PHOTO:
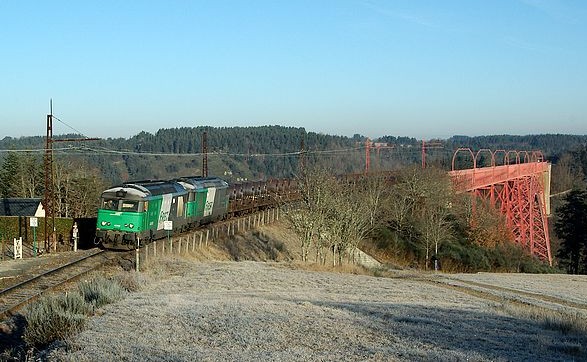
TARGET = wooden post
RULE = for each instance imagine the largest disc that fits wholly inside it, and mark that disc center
(207, 235)
(155, 248)
(137, 257)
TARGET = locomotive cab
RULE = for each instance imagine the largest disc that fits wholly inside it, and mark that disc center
(121, 217)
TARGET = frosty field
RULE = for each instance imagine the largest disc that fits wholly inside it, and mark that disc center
(249, 311)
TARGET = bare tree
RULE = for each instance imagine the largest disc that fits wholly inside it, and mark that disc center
(566, 174)
(302, 223)
(335, 214)
(30, 176)
(308, 217)
(419, 207)
(77, 189)
(433, 210)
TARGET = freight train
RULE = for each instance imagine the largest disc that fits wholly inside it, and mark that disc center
(139, 210)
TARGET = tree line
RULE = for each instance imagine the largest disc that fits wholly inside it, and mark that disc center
(413, 219)
(77, 185)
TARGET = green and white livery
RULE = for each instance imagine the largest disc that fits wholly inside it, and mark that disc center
(137, 210)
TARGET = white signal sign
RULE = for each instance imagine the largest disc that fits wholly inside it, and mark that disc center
(168, 225)
(34, 222)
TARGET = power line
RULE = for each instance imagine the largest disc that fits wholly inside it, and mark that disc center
(108, 151)
(77, 132)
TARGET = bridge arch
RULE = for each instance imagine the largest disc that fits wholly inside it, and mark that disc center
(464, 149)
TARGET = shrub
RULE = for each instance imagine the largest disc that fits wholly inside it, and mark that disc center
(54, 317)
(100, 291)
(130, 281)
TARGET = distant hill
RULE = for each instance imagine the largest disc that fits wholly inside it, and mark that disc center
(550, 144)
(268, 151)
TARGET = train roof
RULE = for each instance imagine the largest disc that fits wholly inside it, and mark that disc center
(146, 188)
(142, 189)
(204, 182)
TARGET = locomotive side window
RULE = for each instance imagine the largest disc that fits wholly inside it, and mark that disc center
(109, 204)
(180, 206)
(130, 205)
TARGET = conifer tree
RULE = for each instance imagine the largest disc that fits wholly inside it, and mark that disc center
(570, 228)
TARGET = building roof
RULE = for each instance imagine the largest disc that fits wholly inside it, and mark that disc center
(21, 207)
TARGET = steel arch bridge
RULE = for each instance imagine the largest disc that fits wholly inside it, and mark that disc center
(518, 184)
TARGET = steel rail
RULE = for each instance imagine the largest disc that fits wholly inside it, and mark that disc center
(27, 298)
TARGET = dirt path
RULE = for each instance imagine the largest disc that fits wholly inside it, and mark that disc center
(504, 286)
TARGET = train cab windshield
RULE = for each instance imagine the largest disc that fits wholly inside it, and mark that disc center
(132, 206)
(109, 204)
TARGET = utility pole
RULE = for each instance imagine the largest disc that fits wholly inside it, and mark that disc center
(429, 145)
(205, 154)
(423, 154)
(378, 147)
(367, 155)
(49, 198)
(302, 161)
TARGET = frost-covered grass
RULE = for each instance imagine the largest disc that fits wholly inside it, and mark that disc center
(57, 317)
(100, 291)
(198, 309)
(572, 288)
(249, 311)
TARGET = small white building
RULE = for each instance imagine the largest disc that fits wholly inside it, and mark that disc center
(21, 207)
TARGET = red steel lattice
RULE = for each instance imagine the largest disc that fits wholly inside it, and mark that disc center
(520, 190)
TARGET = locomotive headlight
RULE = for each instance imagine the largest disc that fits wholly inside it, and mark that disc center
(103, 223)
(131, 226)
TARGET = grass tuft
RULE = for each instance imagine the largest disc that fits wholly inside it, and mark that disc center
(565, 322)
(130, 281)
(101, 291)
(55, 317)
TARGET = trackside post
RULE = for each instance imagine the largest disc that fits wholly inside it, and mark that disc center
(137, 254)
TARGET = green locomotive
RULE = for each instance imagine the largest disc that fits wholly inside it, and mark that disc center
(138, 210)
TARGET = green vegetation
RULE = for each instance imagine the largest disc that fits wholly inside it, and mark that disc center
(54, 318)
(570, 228)
(415, 220)
(59, 316)
(77, 184)
(415, 224)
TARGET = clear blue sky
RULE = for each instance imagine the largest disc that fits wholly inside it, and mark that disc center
(415, 68)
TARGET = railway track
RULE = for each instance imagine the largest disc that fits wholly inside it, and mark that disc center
(18, 295)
